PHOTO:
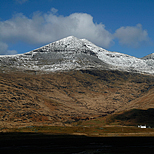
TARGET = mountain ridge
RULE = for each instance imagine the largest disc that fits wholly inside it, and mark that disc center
(71, 53)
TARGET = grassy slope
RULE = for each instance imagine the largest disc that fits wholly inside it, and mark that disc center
(60, 98)
(133, 117)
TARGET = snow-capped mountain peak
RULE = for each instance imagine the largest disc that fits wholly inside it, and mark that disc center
(73, 53)
(70, 42)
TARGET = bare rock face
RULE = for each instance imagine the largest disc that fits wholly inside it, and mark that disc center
(72, 53)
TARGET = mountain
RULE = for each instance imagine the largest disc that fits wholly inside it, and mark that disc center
(60, 98)
(150, 56)
(71, 80)
(72, 53)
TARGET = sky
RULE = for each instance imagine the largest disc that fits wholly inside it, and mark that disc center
(125, 26)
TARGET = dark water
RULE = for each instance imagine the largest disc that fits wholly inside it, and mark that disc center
(30, 143)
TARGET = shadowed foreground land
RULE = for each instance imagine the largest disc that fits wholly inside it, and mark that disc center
(47, 143)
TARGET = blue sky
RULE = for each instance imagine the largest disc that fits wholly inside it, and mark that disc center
(124, 26)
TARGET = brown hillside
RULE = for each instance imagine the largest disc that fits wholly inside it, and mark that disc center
(133, 117)
(64, 97)
(144, 102)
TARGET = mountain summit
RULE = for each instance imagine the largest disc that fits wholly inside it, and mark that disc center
(71, 53)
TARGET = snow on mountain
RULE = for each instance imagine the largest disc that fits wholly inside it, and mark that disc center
(150, 56)
(73, 53)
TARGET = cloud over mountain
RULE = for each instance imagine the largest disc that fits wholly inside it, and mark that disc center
(5, 51)
(132, 35)
(43, 28)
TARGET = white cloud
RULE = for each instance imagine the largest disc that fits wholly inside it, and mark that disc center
(4, 49)
(45, 28)
(132, 36)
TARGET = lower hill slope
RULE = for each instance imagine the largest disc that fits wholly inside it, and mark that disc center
(133, 117)
(65, 97)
